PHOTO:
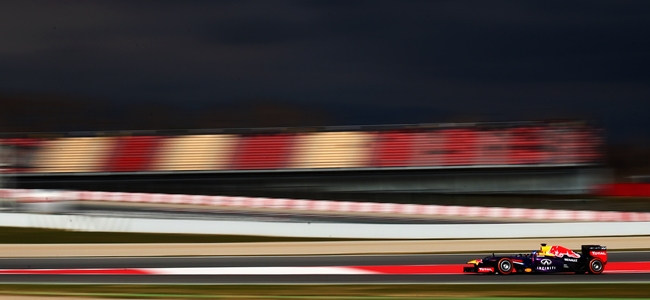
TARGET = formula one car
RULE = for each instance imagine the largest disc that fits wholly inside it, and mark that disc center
(549, 259)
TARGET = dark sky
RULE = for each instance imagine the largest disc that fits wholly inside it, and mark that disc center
(367, 62)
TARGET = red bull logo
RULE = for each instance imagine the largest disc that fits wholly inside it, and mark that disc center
(559, 251)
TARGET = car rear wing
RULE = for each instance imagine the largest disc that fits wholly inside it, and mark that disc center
(595, 251)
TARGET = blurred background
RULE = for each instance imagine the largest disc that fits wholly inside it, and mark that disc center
(517, 104)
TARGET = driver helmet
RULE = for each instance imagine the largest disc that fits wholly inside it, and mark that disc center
(545, 250)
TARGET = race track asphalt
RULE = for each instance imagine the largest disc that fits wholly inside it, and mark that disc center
(325, 279)
(271, 261)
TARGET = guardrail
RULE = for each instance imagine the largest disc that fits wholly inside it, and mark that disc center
(313, 206)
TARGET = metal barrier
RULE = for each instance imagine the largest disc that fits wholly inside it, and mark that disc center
(313, 206)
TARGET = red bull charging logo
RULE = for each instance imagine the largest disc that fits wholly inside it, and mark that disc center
(559, 251)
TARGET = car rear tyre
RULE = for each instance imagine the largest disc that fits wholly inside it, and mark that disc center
(596, 266)
(504, 266)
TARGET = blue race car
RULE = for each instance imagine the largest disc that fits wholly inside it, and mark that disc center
(549, 259)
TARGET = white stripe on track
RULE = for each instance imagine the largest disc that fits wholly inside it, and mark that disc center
(259, 271)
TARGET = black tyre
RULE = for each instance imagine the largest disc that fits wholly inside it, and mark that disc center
(596, 266)
(505, 266)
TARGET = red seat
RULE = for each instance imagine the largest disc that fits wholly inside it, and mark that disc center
(21, 142)
(393, 149)
(460, 147)
(428, 148)
(527, 146)
(133, 154)
(492, 147)
(588, 149)
(263, 152)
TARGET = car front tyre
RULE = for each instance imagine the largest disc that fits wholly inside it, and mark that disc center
(504, 266)
(596, 266)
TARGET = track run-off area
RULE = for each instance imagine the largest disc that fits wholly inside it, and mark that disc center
(324, 269)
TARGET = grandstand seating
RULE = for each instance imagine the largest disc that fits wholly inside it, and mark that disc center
(493, 148)
(132, 154)
(438, 147)
(332, 150)
(526, 146)
(585, 142)
(394, 149)
(263, 152)
(460, 147)
(16, 154)
(195, 153)
(82, 154)
(21, 142)
(429, 149)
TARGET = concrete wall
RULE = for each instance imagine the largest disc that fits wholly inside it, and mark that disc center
(325, 230)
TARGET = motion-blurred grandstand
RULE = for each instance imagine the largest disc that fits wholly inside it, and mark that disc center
(490, 164)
